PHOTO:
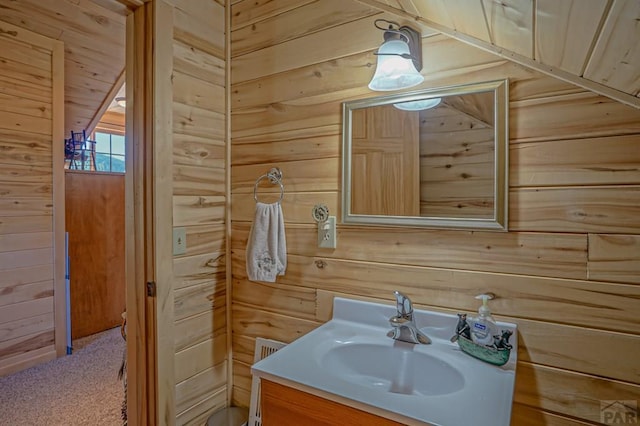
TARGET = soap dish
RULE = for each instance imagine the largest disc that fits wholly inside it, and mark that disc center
(496, 354)
(490, 354)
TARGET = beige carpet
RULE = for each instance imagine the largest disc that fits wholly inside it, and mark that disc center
(76, 390)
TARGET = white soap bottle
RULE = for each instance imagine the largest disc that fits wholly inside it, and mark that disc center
(483, 327)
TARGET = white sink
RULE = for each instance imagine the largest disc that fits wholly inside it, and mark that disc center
(351, 360)
(396, 369)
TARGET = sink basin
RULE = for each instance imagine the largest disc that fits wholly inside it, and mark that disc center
(351, 360)
(397, 369)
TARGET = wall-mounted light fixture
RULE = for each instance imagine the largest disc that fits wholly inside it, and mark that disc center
(121, 101)
(399, 58)
(418, 105)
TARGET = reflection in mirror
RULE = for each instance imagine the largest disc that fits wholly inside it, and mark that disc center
(433, 158)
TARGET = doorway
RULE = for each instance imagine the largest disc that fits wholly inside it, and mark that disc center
(37, 310)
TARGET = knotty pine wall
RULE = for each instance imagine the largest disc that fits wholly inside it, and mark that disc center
(199, 182)
(31, 199)
(567, 272)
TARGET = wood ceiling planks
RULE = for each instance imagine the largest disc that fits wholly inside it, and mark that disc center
(615, 60)
(565, 31)
(93, 32)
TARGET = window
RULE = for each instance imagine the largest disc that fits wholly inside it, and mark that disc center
(109, 152)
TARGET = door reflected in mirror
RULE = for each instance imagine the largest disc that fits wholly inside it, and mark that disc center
(434, 158)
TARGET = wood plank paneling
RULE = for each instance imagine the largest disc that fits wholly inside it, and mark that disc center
(467, 18)
(571, 209)
(575, 395)
(193, 330)
(94, 38)
(197, 63)
(521, 295)
(192, 150)
(614, 258)
(31, 226)
(198, 187)
(328, 44)
(291, 24)
(563, 29)
(584, 115)
(510, 24)
(201, 411)
(17, 147)
(537, 254)
(246, 13)
(200, 386)
(199, 357)
(616, 57)
(592, 161)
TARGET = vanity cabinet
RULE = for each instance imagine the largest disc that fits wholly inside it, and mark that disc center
(282, 405)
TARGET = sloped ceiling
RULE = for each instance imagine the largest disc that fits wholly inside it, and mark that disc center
(93, 32)
(592, 43)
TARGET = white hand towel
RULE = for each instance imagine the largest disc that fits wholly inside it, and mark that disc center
(267, 247)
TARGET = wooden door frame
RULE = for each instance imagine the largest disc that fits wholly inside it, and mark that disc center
(140, 344)
(148, 214)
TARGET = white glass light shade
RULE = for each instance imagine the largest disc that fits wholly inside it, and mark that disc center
(394, 72)
(418, 105)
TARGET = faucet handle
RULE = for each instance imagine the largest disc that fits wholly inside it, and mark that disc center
(403, 304)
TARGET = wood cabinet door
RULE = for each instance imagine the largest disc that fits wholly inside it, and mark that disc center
(95, 223)
(282, 405)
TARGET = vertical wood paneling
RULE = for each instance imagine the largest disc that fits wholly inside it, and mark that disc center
(566, 271)
(615, 60)
(563, 31)
(510, 24)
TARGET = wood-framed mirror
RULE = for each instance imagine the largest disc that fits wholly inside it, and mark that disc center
(443, 165)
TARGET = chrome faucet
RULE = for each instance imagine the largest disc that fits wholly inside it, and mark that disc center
(404, 326)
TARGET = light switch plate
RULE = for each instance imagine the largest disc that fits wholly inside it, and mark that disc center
(327, 233)
(179, 241)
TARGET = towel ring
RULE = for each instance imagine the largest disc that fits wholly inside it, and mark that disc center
(275, 177)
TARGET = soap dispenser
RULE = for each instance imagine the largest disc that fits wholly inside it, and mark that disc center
(483, 327)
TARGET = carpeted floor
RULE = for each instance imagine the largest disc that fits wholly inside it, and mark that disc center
(76, 390)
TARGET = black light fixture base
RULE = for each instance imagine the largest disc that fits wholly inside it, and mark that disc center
(415, 45)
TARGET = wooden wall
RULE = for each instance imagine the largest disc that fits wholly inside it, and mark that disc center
(93, 33)
(31, 199)
(94, 211)
(199, 198)
(567, 272)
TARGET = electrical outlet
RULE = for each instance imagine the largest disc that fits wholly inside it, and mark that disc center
(327, 233)
(179, 241)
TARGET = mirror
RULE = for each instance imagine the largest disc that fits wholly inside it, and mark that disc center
(441, 165)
